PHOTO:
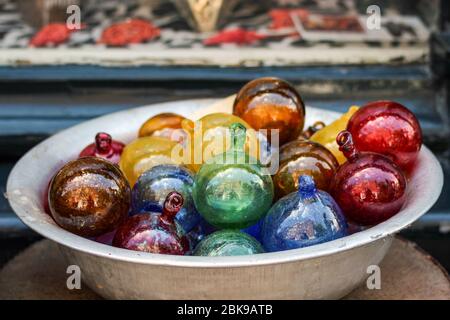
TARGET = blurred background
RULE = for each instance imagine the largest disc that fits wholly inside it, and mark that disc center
(336, 52)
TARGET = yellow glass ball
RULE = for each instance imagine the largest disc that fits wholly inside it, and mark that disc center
(166, 125)
(145, 153)
(327, 136)
(210, 136)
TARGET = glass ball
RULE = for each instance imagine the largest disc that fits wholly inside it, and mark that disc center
(271, 103)
(198, 233)
(255, 229)
(165, 125)
(317, 126)
(144, 153)
(106, 238)
(89, 197)
(209, 135)
(327, 136)
(232, 190)
(303, 218)
(104, 147)
(153, 232)
(300, 157)
(228, 243)
(369, 187)
(154, 185)
(388, 128)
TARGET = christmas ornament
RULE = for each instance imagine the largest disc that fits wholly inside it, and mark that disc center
(146, 207)
(327, 136)
(104, 147)
(369, 187)
(106, 238)
(89, 196)
(45, 204)
(152, 232)
(210, 136)
(388, 128)
(233, 190)
(318, 125)
(303, 218)
(271, 103)
(166, 125)
(255, 230)
(154, 185)
(144, 153)
(301, 157)
(228, 243)
(198, 233)
(129, 32)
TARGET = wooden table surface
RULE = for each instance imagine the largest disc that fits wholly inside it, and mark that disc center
(407, 272)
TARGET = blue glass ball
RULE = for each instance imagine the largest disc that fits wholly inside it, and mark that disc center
(255, 230)
(303, 218)
(199, 232)
(148, 206)
(153, 186)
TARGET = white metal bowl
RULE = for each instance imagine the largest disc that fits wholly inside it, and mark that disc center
(328, 270)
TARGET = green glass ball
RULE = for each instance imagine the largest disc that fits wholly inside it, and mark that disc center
(228, 243)
(232, 196)
(232, 190)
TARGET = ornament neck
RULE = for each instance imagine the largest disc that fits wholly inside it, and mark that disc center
(238, 135)
(103, 143)
(345, 142)
(172, 205)
(318, 125)
(306, 187)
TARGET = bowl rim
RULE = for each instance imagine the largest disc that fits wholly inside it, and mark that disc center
(50, 230)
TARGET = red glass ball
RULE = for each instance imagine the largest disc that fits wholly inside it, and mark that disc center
(369, 187)
(89, 197)
(388, 128)
(154, 232)
(104, 147)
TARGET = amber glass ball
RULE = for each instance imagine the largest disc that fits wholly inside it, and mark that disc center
(303, 157)
(271, 103)
(145, 153)
(89, 197)
(166, 125)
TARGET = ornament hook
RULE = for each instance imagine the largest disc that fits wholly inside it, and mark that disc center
(103, 142)
(172, 205)
(306, 186)
(238, 135)
(318, 125)
(345, 142)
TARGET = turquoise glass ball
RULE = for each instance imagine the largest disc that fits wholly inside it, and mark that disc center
(228, 243)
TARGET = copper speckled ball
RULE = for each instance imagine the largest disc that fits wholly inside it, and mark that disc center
(303, 157)
(89, 196)
(271, 103)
